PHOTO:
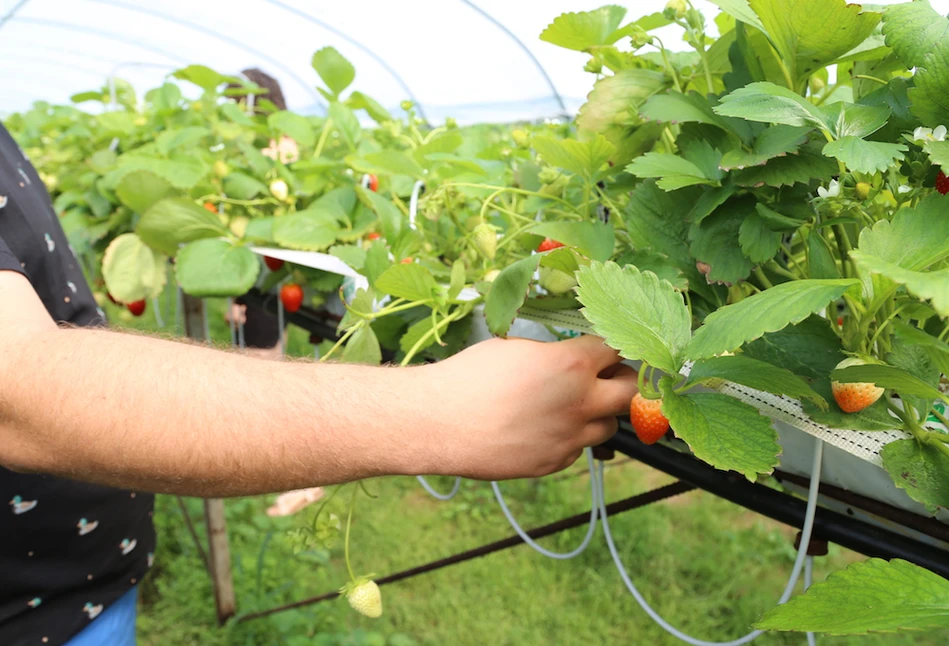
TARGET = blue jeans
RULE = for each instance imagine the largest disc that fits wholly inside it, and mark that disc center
(115, 626)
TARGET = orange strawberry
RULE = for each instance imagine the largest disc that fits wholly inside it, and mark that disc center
(854, 397)
(647, 419)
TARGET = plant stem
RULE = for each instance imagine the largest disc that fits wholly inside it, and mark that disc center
(342, 340)
(323, 137)
(510, 189)
(870, 78)
(764, 279)
(943, 420)
(349, 522)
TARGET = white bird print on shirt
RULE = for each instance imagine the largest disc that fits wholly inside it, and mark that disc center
(21, 506)
(91, 610)
(85, 526)
(127, 545)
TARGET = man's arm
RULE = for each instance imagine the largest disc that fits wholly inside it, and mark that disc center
(151, 414)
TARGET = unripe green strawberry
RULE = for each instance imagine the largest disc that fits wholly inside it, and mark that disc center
(279, 189)
(221, 169)
(484, 238)
(862, 190)
(854, 397)
(555, 281)
(647, 419)
(364, 596)
(675, 10)
(491, 275)
(520, 138)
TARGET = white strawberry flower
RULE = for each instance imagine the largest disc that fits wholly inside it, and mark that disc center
(904, 188)
(832, 190)
(930, 134)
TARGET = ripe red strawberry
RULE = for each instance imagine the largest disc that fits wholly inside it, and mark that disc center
(291, 295)
(273, 264)
(137, 308)
(373, 183)
(210, 207)
(374, 235)
(854, 397)
(647, 419)
(548, 244)
(942, 183)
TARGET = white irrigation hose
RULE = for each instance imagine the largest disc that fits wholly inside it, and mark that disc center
(530, 541)
(413, 203)
(789, 588)
(808, 580)
(435, 494)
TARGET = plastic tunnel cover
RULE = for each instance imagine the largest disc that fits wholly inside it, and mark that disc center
(452, 56)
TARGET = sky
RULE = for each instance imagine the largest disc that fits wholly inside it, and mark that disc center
(445, 53)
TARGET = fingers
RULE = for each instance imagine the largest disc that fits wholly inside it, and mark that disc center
(612, 395)
(598, 431)
(594, 350)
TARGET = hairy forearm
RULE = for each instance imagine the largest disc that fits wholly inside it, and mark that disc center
(158, 415)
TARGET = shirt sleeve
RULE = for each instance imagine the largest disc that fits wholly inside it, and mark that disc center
(8, 262)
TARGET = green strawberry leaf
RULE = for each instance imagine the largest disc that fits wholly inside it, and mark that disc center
(176, 220)
(363, 347)
(938, 153)
(873, 596)
(777, 221)
(386, 162)
(722, 431)
(637, 314)
(360, 101)
(133, 271)
(508, 293)
(806, 165)
(659, 264)
(888, 377)
(914, 239)
(865, 156)
(377, 261)
(353, 256)
(930, 96)
(294, 126)
(585, 29)
(182, 173)
(809, 349)
(593, 239)
(676, 107)
(769, 311)
(410, 281)
(769, 103)
(776, 141)
(610, 111)
(241, 186)
(674, 171)
(913, 29)
(758, 241)
(936, 350)
(312, 230)
(919, 468)
(202, 76)
(854, 119)
(337, 72)
(458, 279)
(139, 190)
(915, 360)
(754, 374)
(390, 218)
(820, 260)
(932, 286)
(584, 158)
(657, 221)
(716, 243)
(741, 11)
(180, 138)
(810, 34)
(347, 124)
(215, 267)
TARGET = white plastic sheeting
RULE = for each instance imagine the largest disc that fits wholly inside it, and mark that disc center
(476, 60)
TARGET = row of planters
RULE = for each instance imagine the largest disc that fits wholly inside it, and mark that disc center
(767, 209)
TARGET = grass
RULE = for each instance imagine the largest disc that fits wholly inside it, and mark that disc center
(710, 567)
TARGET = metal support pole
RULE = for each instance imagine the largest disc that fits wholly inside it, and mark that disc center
(219, 552)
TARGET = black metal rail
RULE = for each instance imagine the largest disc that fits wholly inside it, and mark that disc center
(828, 525)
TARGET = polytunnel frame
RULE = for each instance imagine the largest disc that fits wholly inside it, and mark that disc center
(11, 15)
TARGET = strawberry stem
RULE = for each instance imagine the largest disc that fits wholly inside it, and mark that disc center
(349, 522)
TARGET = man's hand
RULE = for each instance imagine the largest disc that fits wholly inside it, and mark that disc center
(525, 408)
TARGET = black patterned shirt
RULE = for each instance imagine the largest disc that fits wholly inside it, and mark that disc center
(67, 549)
